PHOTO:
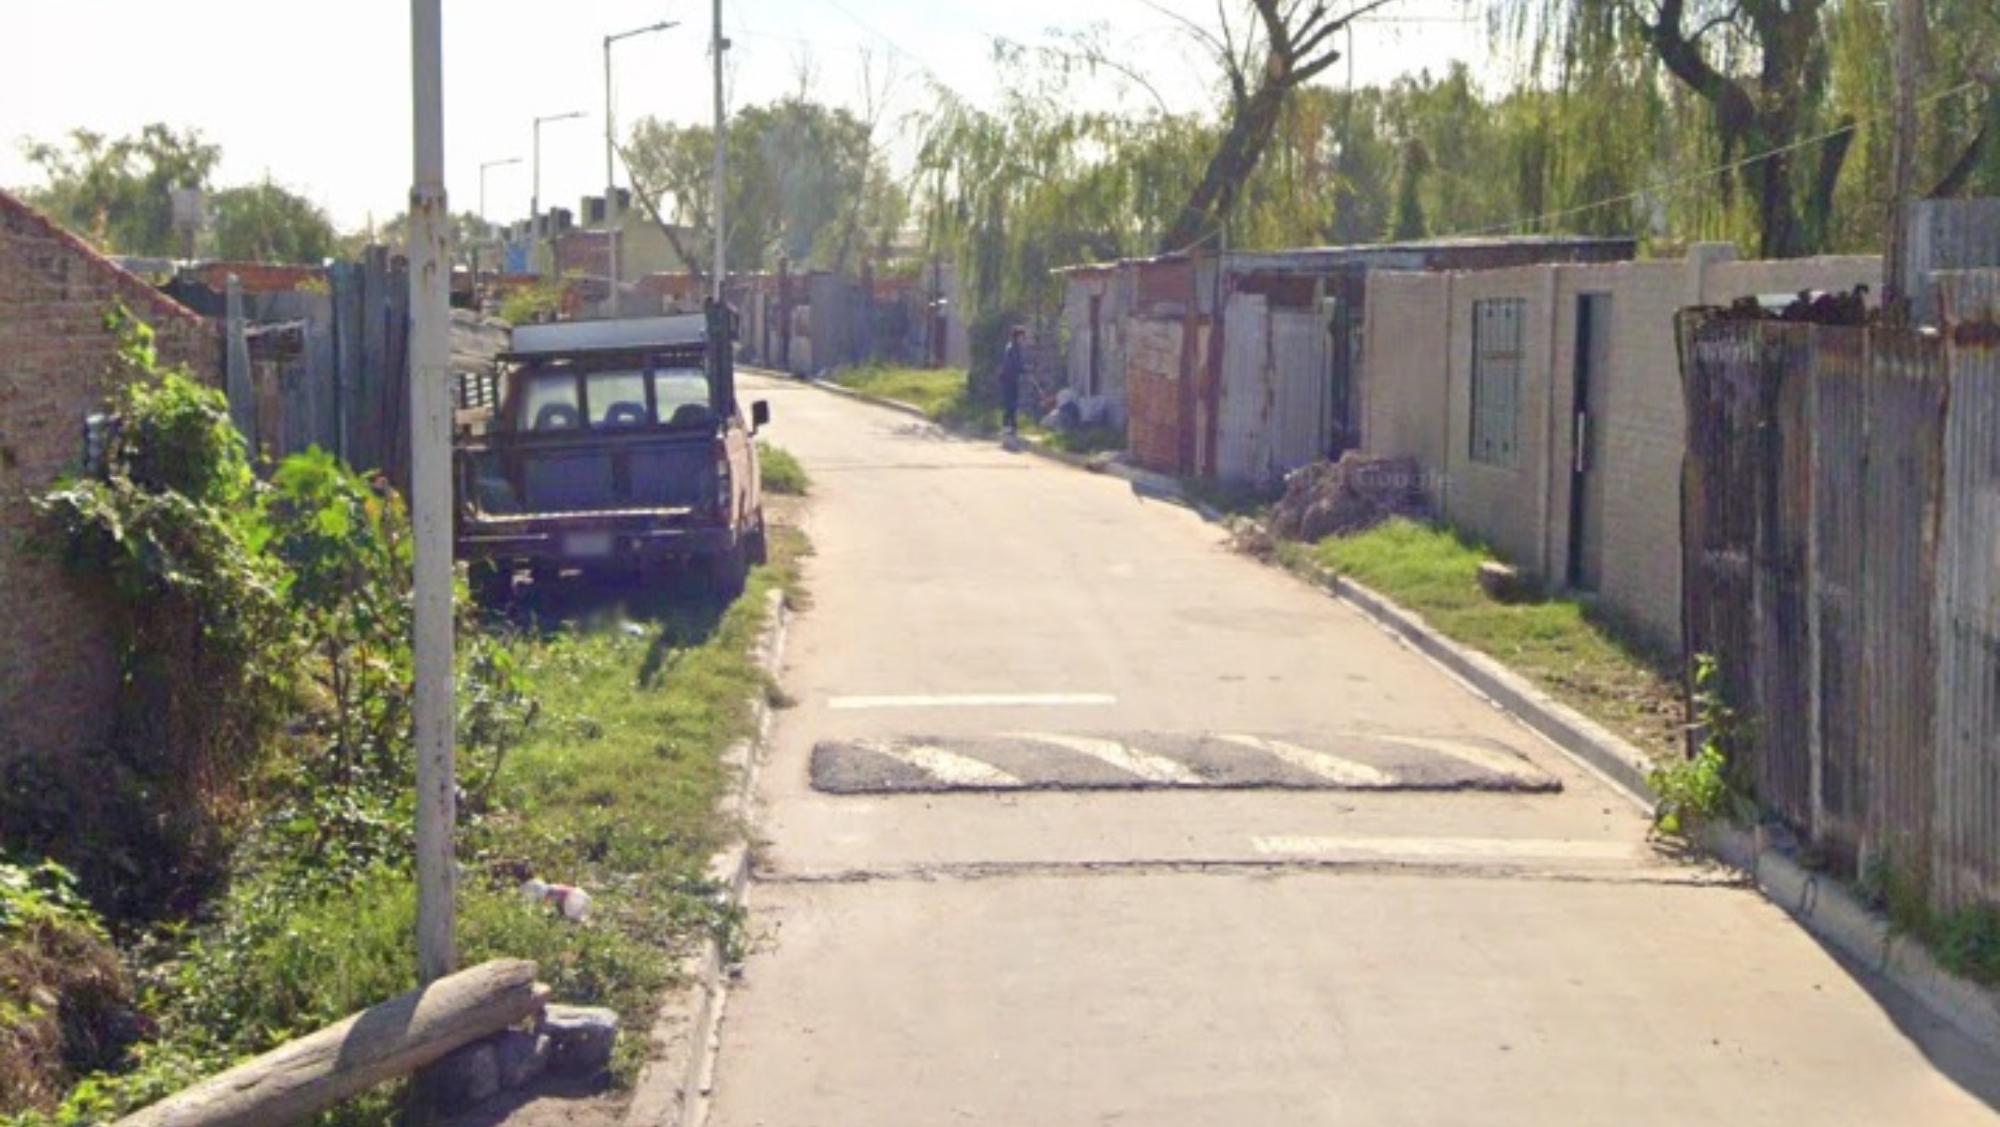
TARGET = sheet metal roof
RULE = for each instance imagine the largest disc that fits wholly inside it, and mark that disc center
(628, 334)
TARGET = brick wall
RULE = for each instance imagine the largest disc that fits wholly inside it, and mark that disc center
(58, 670)
(1153, 393)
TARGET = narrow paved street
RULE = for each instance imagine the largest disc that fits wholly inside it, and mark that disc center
(1082, 819)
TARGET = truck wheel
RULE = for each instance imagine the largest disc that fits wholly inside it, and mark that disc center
(758, 544)
(728, 572)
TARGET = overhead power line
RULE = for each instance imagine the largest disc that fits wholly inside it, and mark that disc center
(1672, 182)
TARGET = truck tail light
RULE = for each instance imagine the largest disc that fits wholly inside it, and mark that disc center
(722, 483)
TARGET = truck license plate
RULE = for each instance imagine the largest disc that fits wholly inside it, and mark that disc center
(587, 545)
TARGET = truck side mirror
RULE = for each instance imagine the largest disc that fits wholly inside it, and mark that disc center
(760, 415)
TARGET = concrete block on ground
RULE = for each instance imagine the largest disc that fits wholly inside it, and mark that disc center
(522, 1056)
(465, 1078)
(1503, 582)
(580, 1038)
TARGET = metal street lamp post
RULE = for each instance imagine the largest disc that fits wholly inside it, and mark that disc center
(485, 227)
(535, 201)
(611, 228)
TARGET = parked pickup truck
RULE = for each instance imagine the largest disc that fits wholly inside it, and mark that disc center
(610, 446)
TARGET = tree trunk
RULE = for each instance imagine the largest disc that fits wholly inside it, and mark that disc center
(1250, 132)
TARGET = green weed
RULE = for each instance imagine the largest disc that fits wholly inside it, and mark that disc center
(783, 475)
(1563, 645)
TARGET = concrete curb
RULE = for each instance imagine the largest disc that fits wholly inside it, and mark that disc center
(863, 397)
(1831, 913)
(674, 1086)
(1598, 747)
(1824, 907)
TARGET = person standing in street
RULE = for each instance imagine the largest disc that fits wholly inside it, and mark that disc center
(1013, 365)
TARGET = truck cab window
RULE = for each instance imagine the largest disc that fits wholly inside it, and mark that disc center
(618, 399)
(549, 403)
(682, 395)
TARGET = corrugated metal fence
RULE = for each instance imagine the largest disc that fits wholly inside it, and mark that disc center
(1841, 532)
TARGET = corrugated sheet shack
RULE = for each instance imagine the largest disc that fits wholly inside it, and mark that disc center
(1244, 366)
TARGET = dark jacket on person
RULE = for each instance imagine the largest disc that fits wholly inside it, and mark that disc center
(1013, 362)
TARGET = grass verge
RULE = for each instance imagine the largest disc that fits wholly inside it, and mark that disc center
(616, 788)
(783, 474)
(1561, 644)
(612, 784)
(942, 394)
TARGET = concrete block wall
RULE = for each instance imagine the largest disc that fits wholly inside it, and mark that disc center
(1417, 372)
(59, 672)
(1406, 370)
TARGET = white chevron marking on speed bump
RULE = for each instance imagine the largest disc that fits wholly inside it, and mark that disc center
(1499, 762)
(1332, 768)
(1132, 761)
(947, 767)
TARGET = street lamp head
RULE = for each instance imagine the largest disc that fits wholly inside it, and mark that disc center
(561, 116)
(648, 30)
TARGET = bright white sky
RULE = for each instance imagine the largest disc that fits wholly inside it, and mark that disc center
(318, 97)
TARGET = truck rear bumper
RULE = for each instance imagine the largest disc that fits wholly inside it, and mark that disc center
(591, 544)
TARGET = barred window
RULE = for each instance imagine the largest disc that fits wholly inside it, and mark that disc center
(1496, 380)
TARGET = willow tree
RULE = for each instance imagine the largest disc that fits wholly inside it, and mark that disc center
(1761, 69)
(1959, 126)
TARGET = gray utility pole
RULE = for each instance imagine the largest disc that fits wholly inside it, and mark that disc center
(611, 227)
(430, 498)
(535, 201)
(485, 228)
(1906, 18)
(718, 45)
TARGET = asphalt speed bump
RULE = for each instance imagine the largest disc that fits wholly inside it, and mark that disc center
(1228, 760)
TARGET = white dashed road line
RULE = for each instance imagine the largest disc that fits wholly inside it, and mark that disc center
(1332, 768)
(1448, 848)
(1132, 761)
(975, 700)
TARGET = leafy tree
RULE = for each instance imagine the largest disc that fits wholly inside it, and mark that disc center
(119, 191)
(266, 223)
(1959, 137)
(468, 231)
(805, 183)
(1409, 222)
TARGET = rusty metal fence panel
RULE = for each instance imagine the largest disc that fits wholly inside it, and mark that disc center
(1841, 535)
(1722, 362)
(1783, 493)
(1966, 829)
(1902, 467)
(1839, 391)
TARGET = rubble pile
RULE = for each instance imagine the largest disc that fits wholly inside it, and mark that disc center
(1352, 495)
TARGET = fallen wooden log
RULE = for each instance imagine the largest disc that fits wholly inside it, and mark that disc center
(304, 1077)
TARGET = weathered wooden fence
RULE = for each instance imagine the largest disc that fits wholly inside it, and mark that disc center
(1841, 533)
(325, 367)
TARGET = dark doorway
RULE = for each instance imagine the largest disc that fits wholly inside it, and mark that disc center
(1095, 386)
(1592, 364)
